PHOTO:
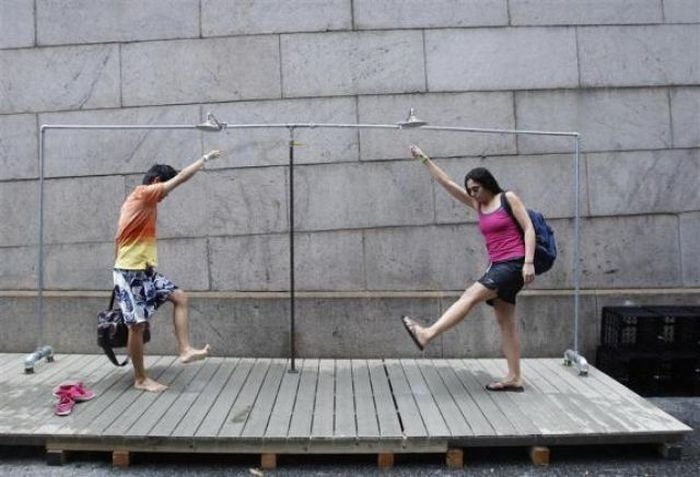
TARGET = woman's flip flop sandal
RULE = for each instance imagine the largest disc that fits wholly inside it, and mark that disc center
(410, 332)
(504, 387)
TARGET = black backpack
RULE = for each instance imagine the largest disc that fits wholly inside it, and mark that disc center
(112, 331)
(545, 243)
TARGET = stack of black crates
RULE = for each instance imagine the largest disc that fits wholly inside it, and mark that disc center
(653, 350)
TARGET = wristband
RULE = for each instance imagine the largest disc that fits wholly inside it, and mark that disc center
(529, 263)
(424, 158)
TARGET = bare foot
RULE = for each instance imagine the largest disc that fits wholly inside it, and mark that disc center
(150, 385)
(192, 354)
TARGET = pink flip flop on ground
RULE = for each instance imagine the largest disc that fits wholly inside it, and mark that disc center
(75, 390)
(64, 406)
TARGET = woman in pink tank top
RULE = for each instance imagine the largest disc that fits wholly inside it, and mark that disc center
(510, 247)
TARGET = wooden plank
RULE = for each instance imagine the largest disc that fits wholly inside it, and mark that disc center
(281, 413)
(365, 410)
(449, 410)
(30, 401)
(92, 373)
(533, 417)
(538, 408)
(344, 401)
(409, 415)
(29, 406)
(650, 416)
(585, 416)
(18, 384)
(303, 411)
(242, 407)
(11, 365)
(622, 423)
(501, 425)
(125, 397)
(104, 372)
(22, 389)
(148, 421)
(212, 423)
(429, 411)
(256, 424)
(187, 392)
(367, 395)
(505, 401)
(107, 391)
(323, 420)
(200, 408)
(473, 415)
(141, 405)
(569, 386)
(387, 415)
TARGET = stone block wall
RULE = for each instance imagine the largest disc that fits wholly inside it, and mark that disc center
(376, 238)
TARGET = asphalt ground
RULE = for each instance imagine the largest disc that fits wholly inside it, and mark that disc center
(600, 460)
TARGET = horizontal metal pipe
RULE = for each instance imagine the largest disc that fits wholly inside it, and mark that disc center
(500, 131)
(316, 125)
(117, 126)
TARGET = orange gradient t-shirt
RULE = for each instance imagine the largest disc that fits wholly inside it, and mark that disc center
(136, 233)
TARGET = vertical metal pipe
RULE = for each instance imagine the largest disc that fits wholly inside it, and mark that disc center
(42, 351)
(572, 356)
(291, 249)
(40, 271)
(577, 241)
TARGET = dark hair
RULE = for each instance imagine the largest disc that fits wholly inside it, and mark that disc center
(162, 171)
(483, 177)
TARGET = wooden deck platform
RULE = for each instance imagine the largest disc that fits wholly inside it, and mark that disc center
(383, 407)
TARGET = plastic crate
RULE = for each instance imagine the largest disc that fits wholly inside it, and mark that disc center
(680, 325)
(651, 327)
(650, 374)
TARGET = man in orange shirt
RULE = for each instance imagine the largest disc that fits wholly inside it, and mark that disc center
(140, 289)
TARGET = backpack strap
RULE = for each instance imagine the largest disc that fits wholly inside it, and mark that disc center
(112, 297)
(506, 206)
(110, 354)
(108, 349)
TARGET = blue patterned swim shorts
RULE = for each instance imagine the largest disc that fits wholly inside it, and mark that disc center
(140, 293)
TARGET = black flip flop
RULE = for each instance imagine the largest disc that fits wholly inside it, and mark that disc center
(504, 387)
(410, 333)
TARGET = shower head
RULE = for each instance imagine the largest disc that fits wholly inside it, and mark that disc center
(412, 121)
(211, 124)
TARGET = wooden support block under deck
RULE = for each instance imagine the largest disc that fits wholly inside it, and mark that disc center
(539, 455)
(268, 461)
(670, 450)
(55, 457)
(120, 458)
(385, 461)
(455, 458)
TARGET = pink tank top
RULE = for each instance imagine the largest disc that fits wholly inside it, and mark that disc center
(503, 238)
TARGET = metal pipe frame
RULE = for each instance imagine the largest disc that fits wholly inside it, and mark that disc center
(570, 356)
